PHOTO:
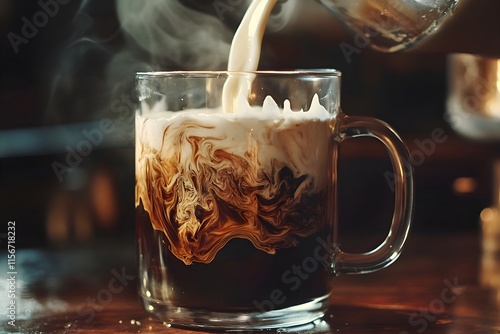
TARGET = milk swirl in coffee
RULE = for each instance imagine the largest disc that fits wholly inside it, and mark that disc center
(206, 177)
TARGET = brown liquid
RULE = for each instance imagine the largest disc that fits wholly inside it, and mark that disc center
(206, 182)
(240, 277)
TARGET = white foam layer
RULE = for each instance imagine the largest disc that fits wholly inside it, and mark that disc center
(269, 110)
(292, 138)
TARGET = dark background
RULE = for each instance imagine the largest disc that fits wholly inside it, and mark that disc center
(49, 84)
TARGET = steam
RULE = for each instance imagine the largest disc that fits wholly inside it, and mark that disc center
(188, 38)
(282, 13)
(96, 69)
(172, 31)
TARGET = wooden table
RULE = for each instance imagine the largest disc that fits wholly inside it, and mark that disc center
(435, 287)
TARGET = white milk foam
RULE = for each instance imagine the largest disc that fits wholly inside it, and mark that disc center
(151, 128)
(265, 127)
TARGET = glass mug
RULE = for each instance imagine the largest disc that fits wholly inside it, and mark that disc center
(391, 25)
(236, 210)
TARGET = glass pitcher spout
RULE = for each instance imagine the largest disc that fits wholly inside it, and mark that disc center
(391, 25)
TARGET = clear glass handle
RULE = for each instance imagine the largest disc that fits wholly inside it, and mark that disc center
(390, 249)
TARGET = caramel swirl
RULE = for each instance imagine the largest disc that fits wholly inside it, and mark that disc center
(213, 179)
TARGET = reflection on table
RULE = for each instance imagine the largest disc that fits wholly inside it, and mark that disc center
(433, 288)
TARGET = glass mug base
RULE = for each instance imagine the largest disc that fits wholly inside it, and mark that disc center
(251, 320)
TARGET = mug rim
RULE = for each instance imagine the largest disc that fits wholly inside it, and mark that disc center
(328, 72)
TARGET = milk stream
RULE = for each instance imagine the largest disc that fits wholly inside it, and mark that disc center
(245, 49)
